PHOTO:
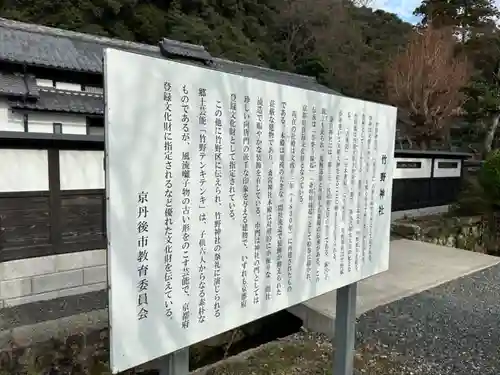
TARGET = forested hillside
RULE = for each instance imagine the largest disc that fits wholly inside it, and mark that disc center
(344, 46)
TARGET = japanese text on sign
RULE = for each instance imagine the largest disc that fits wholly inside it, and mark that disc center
(231, 198)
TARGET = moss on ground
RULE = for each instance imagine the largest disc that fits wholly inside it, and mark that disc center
(305, 355)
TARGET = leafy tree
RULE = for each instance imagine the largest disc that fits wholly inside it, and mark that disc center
(483, 106)
(481, 196)
(467, 17)
(425, 82)
(489, 178)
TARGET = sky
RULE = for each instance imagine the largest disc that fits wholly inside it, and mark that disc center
(403, 8)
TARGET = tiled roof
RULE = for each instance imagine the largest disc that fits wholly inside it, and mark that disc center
(57, 48)
(173, 48)
(43, 46)
(63, 101)
(18, 85)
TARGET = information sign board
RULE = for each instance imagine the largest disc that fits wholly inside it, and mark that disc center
(231, 198)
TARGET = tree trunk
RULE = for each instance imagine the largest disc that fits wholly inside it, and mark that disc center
(490, 134)
(424, 143)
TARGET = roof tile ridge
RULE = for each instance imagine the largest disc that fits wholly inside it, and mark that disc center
(62, 33)
(70, 92)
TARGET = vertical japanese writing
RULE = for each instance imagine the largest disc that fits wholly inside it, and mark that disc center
(232, 157)
(321, 209)
(186, 134)
(281, 202)
(383, 179)
(272, 123)
(303, 140)
(348, 212)
(337, 230)
(269, 224)
(353, 233)
(258, 200)
(320, 196)
(218, 206)
(372, 165)
(142, 255)
(246, 182)
(343, 233)
(291, 187)
(329, 199)
(169, 208)
(381, 174)
(362, 178)
(244, 281)
(202, 219)
(246, 170)
(276, 193)
(310, 204)
(186, 207)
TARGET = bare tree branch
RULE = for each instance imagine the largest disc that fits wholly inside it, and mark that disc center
(362, 3)
(297, 19)
(426, 81)
(308, 25)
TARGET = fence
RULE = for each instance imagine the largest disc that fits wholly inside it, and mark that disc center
(471, 167)
(426, 179)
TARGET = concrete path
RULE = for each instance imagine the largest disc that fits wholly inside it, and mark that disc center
(414, 267)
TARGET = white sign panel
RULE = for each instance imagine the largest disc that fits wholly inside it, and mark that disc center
(231, 198)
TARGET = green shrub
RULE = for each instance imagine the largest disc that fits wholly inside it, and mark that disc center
(481, 196)
(481, 193)
(489, 179)
(471, 201)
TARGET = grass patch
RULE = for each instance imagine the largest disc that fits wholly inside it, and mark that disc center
(304, 356)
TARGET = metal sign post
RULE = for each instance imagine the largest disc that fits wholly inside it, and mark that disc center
(174, 364)
(345, 328)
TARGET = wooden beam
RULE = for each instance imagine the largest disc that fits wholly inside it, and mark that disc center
(54, 199)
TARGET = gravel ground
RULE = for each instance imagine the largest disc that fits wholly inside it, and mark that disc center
(453, 329)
